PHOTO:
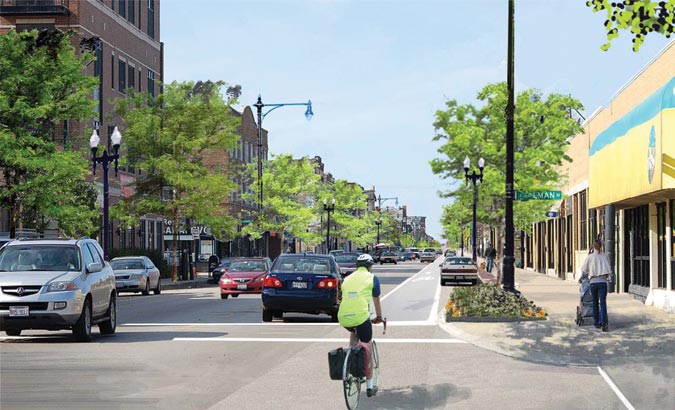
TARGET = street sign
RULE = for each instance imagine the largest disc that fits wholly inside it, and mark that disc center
(245, 221)
(195, 232)
(538, 195)
(551, 214)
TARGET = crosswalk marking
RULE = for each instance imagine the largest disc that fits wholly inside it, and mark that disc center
(311, 340)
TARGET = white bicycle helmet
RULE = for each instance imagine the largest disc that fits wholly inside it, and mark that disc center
(365, 260)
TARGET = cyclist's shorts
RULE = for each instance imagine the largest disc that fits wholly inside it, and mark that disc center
(364, 331)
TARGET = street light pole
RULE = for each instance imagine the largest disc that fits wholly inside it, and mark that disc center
(105, 159)
(508, 279)
(328, 208)
(474, 178)
(378, 222)
(261, 116)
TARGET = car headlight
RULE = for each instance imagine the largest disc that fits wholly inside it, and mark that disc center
(61, 287)
(136, 276)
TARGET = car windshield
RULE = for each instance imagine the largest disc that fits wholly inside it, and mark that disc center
(247, 266)
(430, 250)
(39, 258)
(458, 261)
(305, 264)
(345, 258)
(125, 264)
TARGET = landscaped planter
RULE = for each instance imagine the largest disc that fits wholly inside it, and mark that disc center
(490, 303)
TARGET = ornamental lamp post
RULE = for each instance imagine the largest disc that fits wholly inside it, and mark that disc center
(328, 208)
(259, 106)
(474, 178)
(105, 159)
(378, 222)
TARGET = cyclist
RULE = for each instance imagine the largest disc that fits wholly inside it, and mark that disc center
(358, 289)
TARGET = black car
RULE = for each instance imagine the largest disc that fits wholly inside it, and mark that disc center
(220, 269)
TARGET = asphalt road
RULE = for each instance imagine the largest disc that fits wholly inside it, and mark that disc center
(188, 349)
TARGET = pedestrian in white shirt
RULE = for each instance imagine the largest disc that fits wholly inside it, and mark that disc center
(598, 269)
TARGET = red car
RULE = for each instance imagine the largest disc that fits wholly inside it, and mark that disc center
(245, 275)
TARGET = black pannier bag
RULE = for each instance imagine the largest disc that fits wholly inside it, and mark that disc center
(336, 360)
(358, 361)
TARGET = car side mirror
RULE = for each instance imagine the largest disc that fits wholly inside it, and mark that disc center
(94, 267)
(440, 264)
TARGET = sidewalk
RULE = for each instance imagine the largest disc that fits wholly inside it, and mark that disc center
(202, 281)
(637, 333)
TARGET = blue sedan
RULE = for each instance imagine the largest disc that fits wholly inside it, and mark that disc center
(301, 283)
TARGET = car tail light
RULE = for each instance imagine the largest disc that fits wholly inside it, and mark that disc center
(272, 282)
(327, 283)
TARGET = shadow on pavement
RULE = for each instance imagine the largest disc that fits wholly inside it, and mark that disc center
(416, 397)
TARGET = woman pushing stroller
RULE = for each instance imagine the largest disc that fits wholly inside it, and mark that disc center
(598, 269)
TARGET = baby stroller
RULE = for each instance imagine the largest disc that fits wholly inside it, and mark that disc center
(585, 308)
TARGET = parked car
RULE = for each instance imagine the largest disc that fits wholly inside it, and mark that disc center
(428, 255)
(303, 283)
(347, 262)
(244, 275)
(388, 257)
(56, 284)
(459, 270)
(136, 274)
(220, 269)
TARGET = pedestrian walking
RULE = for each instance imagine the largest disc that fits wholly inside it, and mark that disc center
(490, 254)
(598, 269)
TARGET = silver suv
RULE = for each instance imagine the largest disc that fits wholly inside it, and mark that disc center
(56, 284)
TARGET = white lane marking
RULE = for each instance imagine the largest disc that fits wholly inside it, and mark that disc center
(310, 340)
(611, 384)
(392, 323)
(434, 307)
(421, 278)
(403, 283)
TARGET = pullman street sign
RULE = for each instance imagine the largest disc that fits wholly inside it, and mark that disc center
(538, 195)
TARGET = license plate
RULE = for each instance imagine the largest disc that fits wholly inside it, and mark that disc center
(242, 286)
(299, 285)
(18, 311)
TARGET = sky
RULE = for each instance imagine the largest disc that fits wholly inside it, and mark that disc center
(377, 71)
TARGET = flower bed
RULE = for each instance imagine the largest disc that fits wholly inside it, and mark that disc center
(488, 302)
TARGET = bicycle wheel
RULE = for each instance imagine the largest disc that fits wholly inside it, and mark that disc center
(350, 383)
(376, 365)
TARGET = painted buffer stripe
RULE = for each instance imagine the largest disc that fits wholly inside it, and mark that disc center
(311, 340)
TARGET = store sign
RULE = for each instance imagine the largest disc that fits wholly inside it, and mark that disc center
(200, 229)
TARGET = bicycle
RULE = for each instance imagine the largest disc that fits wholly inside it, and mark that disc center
(351, 384)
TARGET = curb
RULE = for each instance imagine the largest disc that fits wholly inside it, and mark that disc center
(189, 284)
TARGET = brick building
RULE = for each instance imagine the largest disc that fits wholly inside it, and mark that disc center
(124, 35)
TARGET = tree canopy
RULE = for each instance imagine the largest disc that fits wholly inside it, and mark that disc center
(640, 17)
(42, 84)
(542, 130)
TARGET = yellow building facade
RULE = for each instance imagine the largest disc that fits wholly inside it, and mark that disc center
(621, 189)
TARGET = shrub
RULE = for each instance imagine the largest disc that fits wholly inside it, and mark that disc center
(489, 300)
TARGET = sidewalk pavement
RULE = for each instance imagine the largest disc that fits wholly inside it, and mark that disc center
(637, 333)
(202, 281)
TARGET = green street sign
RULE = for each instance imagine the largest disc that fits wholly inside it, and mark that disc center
(538, 195)
(245, 221)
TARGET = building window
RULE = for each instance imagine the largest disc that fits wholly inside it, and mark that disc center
(662, 247)
(112, 72)
(140, 80)
(132, 12)
(151, 83)
(122, 76)
(123, 8)
(151, 18)
(132, 77)
(583, 223)
(672, 244)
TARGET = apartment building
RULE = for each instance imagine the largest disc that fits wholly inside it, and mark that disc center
(125, 38)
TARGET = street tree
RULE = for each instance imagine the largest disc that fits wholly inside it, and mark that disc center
(640, 17)
(289, 204)
(542, 129)
(42, 84)
(168, 138)
(350, 217)
(407, 240)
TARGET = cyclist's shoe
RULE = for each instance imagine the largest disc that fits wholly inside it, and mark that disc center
(371, 392)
